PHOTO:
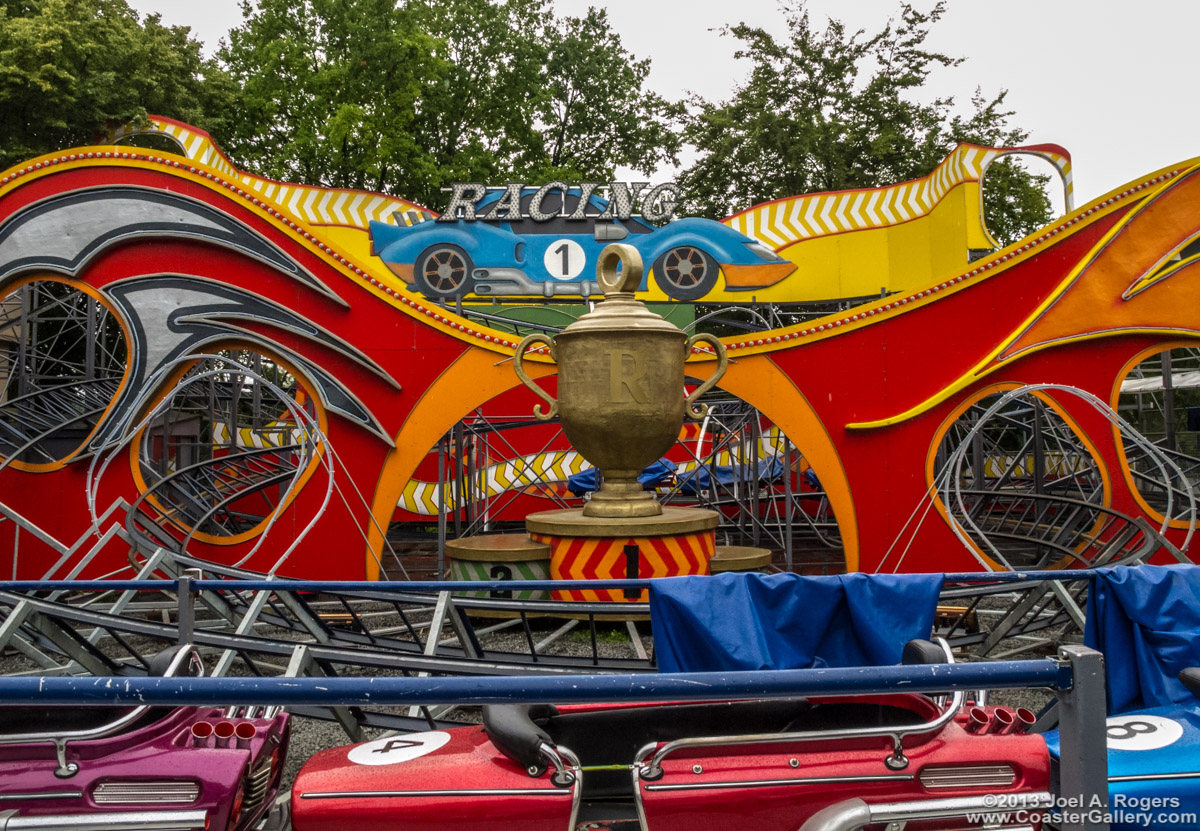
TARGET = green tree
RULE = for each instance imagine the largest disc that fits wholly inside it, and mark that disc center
(408, 98)
(828, 109)
(478, 108)
(71, 71)
(328, 91)
(597, 114)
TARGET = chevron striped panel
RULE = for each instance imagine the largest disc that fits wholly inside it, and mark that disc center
(420, 497)
(423, 498)
(317, 206)
(1055, 464)
(275, 434)
(578, 558)
(473, 570)
(786, 221)
(770, 445)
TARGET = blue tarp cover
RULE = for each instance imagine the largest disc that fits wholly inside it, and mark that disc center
(585, 480)
(700, 478)
(1146, 621)
(788, 621)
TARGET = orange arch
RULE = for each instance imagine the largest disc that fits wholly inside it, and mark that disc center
(758, 381)
(473, 378)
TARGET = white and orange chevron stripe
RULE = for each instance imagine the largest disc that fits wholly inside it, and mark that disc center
(275, 434)
(426, 498)
(782, 222)
(423, 498)
(314, 205)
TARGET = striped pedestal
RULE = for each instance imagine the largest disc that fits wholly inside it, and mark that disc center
(679, 542)
(500, 557)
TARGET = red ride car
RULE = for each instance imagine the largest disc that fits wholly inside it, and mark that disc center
(762, 764)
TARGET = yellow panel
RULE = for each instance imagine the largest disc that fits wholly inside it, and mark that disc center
(864, 263)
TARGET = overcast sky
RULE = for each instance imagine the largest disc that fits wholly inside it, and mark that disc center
(1109, 81)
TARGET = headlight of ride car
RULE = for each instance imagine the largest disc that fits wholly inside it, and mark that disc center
(761, 250)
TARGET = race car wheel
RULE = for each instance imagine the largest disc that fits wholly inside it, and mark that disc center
(685, 273)
(443, 271)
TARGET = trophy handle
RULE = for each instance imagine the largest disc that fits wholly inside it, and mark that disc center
(519, 366)
(694, 410)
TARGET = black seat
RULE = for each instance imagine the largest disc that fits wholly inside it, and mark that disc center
(613, 736)
(919, 651)
(512, 729)
(1190, 678)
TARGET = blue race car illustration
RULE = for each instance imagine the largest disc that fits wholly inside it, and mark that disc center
(522, 256)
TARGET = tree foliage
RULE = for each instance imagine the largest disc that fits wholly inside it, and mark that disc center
(596, 115)
(329, 90)
(829, 109)
(407, 98)
(73, 70)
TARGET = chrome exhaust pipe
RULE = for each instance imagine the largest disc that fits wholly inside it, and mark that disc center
(201, 730)
(244, 732)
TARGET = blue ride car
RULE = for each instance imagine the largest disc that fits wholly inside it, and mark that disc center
(521, 256)
(1146, 621)
(1153, 765)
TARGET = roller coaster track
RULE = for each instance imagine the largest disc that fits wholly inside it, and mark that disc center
(30, 419)
(201, 494)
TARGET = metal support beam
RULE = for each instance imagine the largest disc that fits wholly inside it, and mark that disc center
(1083, 740)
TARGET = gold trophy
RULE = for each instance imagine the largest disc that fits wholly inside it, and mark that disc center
(621, 386)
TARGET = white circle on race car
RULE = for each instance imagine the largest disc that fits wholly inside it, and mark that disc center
(565, 259)
(402, 748)
(1141, 732)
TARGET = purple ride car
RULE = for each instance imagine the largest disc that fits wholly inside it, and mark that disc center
(177, 768)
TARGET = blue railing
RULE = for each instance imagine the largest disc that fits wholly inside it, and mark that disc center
(395, 691)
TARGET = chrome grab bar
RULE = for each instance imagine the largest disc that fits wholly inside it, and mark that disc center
(896, 761)
(109, 821)
(566, 773)
(67, 769)
(855, 814)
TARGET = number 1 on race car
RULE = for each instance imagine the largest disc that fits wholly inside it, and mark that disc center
(564, 259)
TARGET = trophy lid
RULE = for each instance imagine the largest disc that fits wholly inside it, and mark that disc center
(619, 310)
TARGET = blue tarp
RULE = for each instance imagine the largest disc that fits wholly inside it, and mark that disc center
(585, 480)
(700, 478)
(1146, 621)
(787, 621)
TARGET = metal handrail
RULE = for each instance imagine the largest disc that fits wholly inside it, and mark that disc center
(897, 761)
(568, 773)
(383, 586)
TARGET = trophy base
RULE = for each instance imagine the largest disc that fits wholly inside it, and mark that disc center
(622, 496)
(676, 542)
